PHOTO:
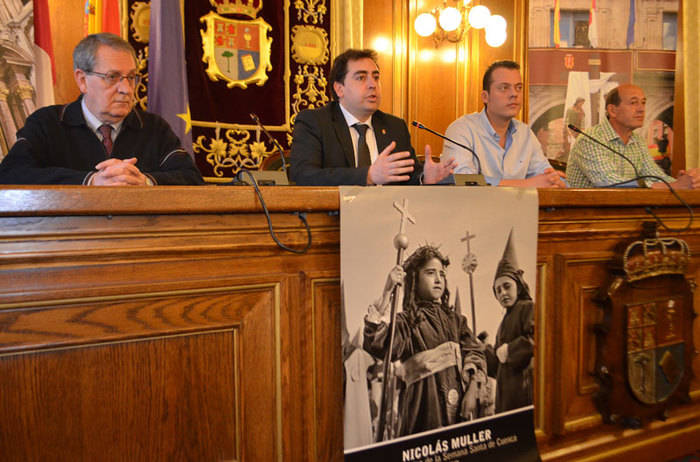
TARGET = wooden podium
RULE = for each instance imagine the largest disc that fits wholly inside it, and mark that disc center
(165, 324)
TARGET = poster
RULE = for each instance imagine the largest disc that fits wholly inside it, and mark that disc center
(576, 57)
(460, 378)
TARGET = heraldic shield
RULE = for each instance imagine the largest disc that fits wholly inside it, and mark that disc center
(655, 349)
(237, 51)
(645, 340)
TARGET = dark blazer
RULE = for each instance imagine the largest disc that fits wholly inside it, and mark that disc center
(56, 146)
(322, 152)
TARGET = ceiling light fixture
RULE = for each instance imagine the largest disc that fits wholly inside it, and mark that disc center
(450, 22)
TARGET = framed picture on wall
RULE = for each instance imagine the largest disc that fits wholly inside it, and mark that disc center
(579, 50)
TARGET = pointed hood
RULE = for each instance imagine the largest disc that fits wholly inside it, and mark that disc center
(508, 266)
(509, 263)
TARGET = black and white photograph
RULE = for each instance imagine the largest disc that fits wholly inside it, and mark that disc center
(438, 289)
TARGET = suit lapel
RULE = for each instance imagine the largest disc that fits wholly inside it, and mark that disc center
(342, 132)
(381, 133)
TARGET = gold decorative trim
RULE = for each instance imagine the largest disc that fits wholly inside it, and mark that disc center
(310, 89)
(141, 91)
(214, 48)
(243, 7)
(23, 90)
(309, 45)
(204, 124)
(311, 11)
(140, 21)
(4, 92)
(235, 152)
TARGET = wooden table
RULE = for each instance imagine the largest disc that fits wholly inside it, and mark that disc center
(165, 324)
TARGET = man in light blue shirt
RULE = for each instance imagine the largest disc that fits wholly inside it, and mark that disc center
(508, 152)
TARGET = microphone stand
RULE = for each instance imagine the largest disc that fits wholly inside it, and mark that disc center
(270, 177)
(643, 185)
(638, 178)
(465, 179)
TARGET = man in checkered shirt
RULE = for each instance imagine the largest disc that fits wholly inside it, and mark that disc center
(592, 166)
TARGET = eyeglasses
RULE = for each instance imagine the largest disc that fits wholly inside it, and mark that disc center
(112, 78)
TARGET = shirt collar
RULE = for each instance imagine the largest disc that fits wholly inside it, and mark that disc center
(93, 122)
(489, 128)
(351, 119)
(609, 133)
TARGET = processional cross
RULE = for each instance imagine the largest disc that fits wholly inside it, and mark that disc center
(400, 243)
(467, 269)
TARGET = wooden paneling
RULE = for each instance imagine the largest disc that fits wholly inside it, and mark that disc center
(579, 231)
(167, 325)
(147, 335)
(436, 84)
(199, 360)
(326, 311)
(380, 32)
(69, 402)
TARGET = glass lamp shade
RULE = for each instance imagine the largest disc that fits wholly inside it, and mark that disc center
(478, 16)
(495, 37)
(450, 18)
(425, 24)
(496, 22)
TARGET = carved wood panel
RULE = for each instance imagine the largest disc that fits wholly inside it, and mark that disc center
(197, 362)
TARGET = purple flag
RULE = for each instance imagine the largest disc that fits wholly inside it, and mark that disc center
(167, 77)
(630, 25)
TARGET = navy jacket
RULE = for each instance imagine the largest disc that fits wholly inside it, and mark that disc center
(322, 153)
(56, 146)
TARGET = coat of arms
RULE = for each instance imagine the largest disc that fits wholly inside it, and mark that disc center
(236, 50)
(645, 342)
(655, 349)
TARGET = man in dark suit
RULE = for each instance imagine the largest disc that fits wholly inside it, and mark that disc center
(100, 139)
(350, 141)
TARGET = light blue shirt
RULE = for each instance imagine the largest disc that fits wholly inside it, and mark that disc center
(522, 157)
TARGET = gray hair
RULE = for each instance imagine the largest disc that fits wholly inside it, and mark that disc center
(85, 52)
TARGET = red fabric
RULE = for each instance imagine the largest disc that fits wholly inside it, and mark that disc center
(110, 17)
(42, 31)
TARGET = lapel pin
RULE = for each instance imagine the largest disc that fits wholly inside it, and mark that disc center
(383, 131)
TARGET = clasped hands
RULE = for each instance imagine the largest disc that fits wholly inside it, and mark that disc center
(393, 167)
(687, 179)
(118, 172)
(550, 178)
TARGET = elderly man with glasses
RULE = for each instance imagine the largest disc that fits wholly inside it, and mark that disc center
(100, 139)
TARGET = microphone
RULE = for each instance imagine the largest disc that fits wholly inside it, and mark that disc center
(640, 182)
(256, 119)
(474, 156)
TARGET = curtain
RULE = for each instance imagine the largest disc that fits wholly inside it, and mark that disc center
(346, 25)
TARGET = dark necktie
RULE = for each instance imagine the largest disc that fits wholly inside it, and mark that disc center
(106, 131)
(363, 158)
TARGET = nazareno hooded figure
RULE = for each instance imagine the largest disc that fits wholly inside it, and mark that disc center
(510, 359)
(438, 353)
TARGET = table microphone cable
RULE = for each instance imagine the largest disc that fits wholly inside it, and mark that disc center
(301, 215)
(638, 178)
(650, 211)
